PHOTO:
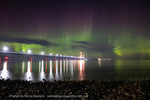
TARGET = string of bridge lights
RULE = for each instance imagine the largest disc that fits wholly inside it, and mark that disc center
(29, 51)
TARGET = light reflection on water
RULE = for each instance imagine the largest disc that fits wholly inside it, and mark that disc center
(64, 66)
(81, 67)
(75, 69)
(71, 67)
(4, 72)
(99, 63)
(51, 71)
(28, 74)
(23, 67)
(56, 70)
(41, 74)
(60, 68)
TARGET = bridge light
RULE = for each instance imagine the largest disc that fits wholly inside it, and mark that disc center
(6, 58)
(5, 48)
(30, 59)
(29, 51)
(42, 52)
(50, 54)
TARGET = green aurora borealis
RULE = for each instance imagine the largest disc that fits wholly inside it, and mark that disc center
(123, 46)
(99, 29)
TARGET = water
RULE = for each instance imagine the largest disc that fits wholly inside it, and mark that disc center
(75, 69)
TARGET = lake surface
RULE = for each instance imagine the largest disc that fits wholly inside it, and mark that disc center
(37, 70)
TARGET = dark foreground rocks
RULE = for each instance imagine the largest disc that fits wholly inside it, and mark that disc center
(75, 90)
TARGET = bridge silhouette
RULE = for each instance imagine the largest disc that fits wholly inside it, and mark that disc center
(17, 55)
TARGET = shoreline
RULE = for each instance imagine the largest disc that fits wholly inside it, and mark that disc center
(114, 89)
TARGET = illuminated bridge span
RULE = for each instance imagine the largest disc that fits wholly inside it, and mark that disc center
(17, 55)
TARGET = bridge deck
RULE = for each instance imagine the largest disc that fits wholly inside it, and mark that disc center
(16, 55)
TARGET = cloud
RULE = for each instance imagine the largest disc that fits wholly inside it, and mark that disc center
(78, 47)
(84, 43)
(100, 47)
(27, 41)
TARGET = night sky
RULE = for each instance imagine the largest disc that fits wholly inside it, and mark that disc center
(98, 28)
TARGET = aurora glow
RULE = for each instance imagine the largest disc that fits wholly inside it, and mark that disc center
(98, 28)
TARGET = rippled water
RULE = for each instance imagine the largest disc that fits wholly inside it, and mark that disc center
(38, 70)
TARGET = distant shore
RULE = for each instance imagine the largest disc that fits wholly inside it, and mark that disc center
(75, 89)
